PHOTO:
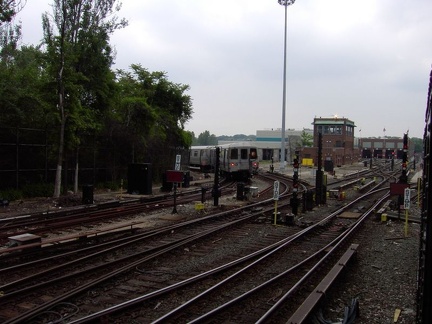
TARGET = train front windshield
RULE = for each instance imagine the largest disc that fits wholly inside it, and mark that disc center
(253, 153)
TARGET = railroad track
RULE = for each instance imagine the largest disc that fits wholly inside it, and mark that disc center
(152, 271)
(161, 271)
(261, 290)
(46, 222)
(175, 236)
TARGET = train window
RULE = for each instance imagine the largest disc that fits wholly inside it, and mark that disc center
(234, 154)
(243, 154)
(253, 153)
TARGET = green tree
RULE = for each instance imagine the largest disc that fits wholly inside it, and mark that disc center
(76, 36)
(417, 143)
(148, 122)
(205, 138)
(306, 139)
(9, 8)
(22, 80)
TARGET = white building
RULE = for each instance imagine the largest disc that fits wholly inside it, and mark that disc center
(268, 142)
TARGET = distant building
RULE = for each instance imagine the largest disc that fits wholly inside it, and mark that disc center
(381, 148)
(339, 145)
(269, 141)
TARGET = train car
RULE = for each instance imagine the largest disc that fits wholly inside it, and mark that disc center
(235, 160)
(202, 158)
(238, 161)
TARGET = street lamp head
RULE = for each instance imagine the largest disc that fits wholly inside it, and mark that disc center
(286, 2)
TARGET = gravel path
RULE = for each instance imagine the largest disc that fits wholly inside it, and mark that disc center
(382, 277)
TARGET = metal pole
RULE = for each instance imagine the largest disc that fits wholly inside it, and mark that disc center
(282, 161)
(285, 3)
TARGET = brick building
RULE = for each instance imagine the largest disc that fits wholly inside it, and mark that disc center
(386, 147)
(337, 142)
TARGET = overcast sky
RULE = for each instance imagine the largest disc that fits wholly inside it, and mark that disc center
(368, 61)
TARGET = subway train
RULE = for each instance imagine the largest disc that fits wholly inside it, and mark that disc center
(235, 160)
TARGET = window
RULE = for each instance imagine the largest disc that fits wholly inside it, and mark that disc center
(244, 154)
(234, 154)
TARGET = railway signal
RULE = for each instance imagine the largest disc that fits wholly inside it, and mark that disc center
(319, 188)
(275, 198)
(216, 192)
(404, 177)
(294, 202)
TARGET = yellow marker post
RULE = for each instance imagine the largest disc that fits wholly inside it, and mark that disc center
(396, 315)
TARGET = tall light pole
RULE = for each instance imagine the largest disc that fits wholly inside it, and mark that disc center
(284, 3)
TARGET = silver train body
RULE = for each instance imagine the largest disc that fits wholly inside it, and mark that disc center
(235, 161)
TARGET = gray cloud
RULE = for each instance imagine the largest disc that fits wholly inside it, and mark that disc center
(368, 61)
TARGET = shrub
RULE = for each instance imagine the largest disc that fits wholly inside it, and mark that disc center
(38, 190)
(111, 185)
(11, 194)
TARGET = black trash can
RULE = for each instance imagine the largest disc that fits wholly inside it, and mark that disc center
(240, 190)
(87, 194)
(186, 179)
(328, 166)
(308, 197)
(203, 194)
(140, 179)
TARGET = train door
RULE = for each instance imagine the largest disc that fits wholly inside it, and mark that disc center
(223, 160)
(245, 163)
(204, 161)
(233, 160)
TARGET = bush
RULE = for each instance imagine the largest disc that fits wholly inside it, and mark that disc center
(11, 194)
(38, 190)
(111, 185)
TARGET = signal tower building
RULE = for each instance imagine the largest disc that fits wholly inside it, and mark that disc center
(337, 142)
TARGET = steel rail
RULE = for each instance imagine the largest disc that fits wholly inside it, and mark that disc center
(40, 308)
(139, 300)
(331, 245)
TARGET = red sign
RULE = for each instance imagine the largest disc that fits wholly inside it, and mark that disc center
(398, 188)
(174, 176)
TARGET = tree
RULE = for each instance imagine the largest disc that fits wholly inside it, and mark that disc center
(150, 116)
(306, 139)
(9, 8)
(206, 139)
(417, 143)
(22, 81)
(76, 37)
